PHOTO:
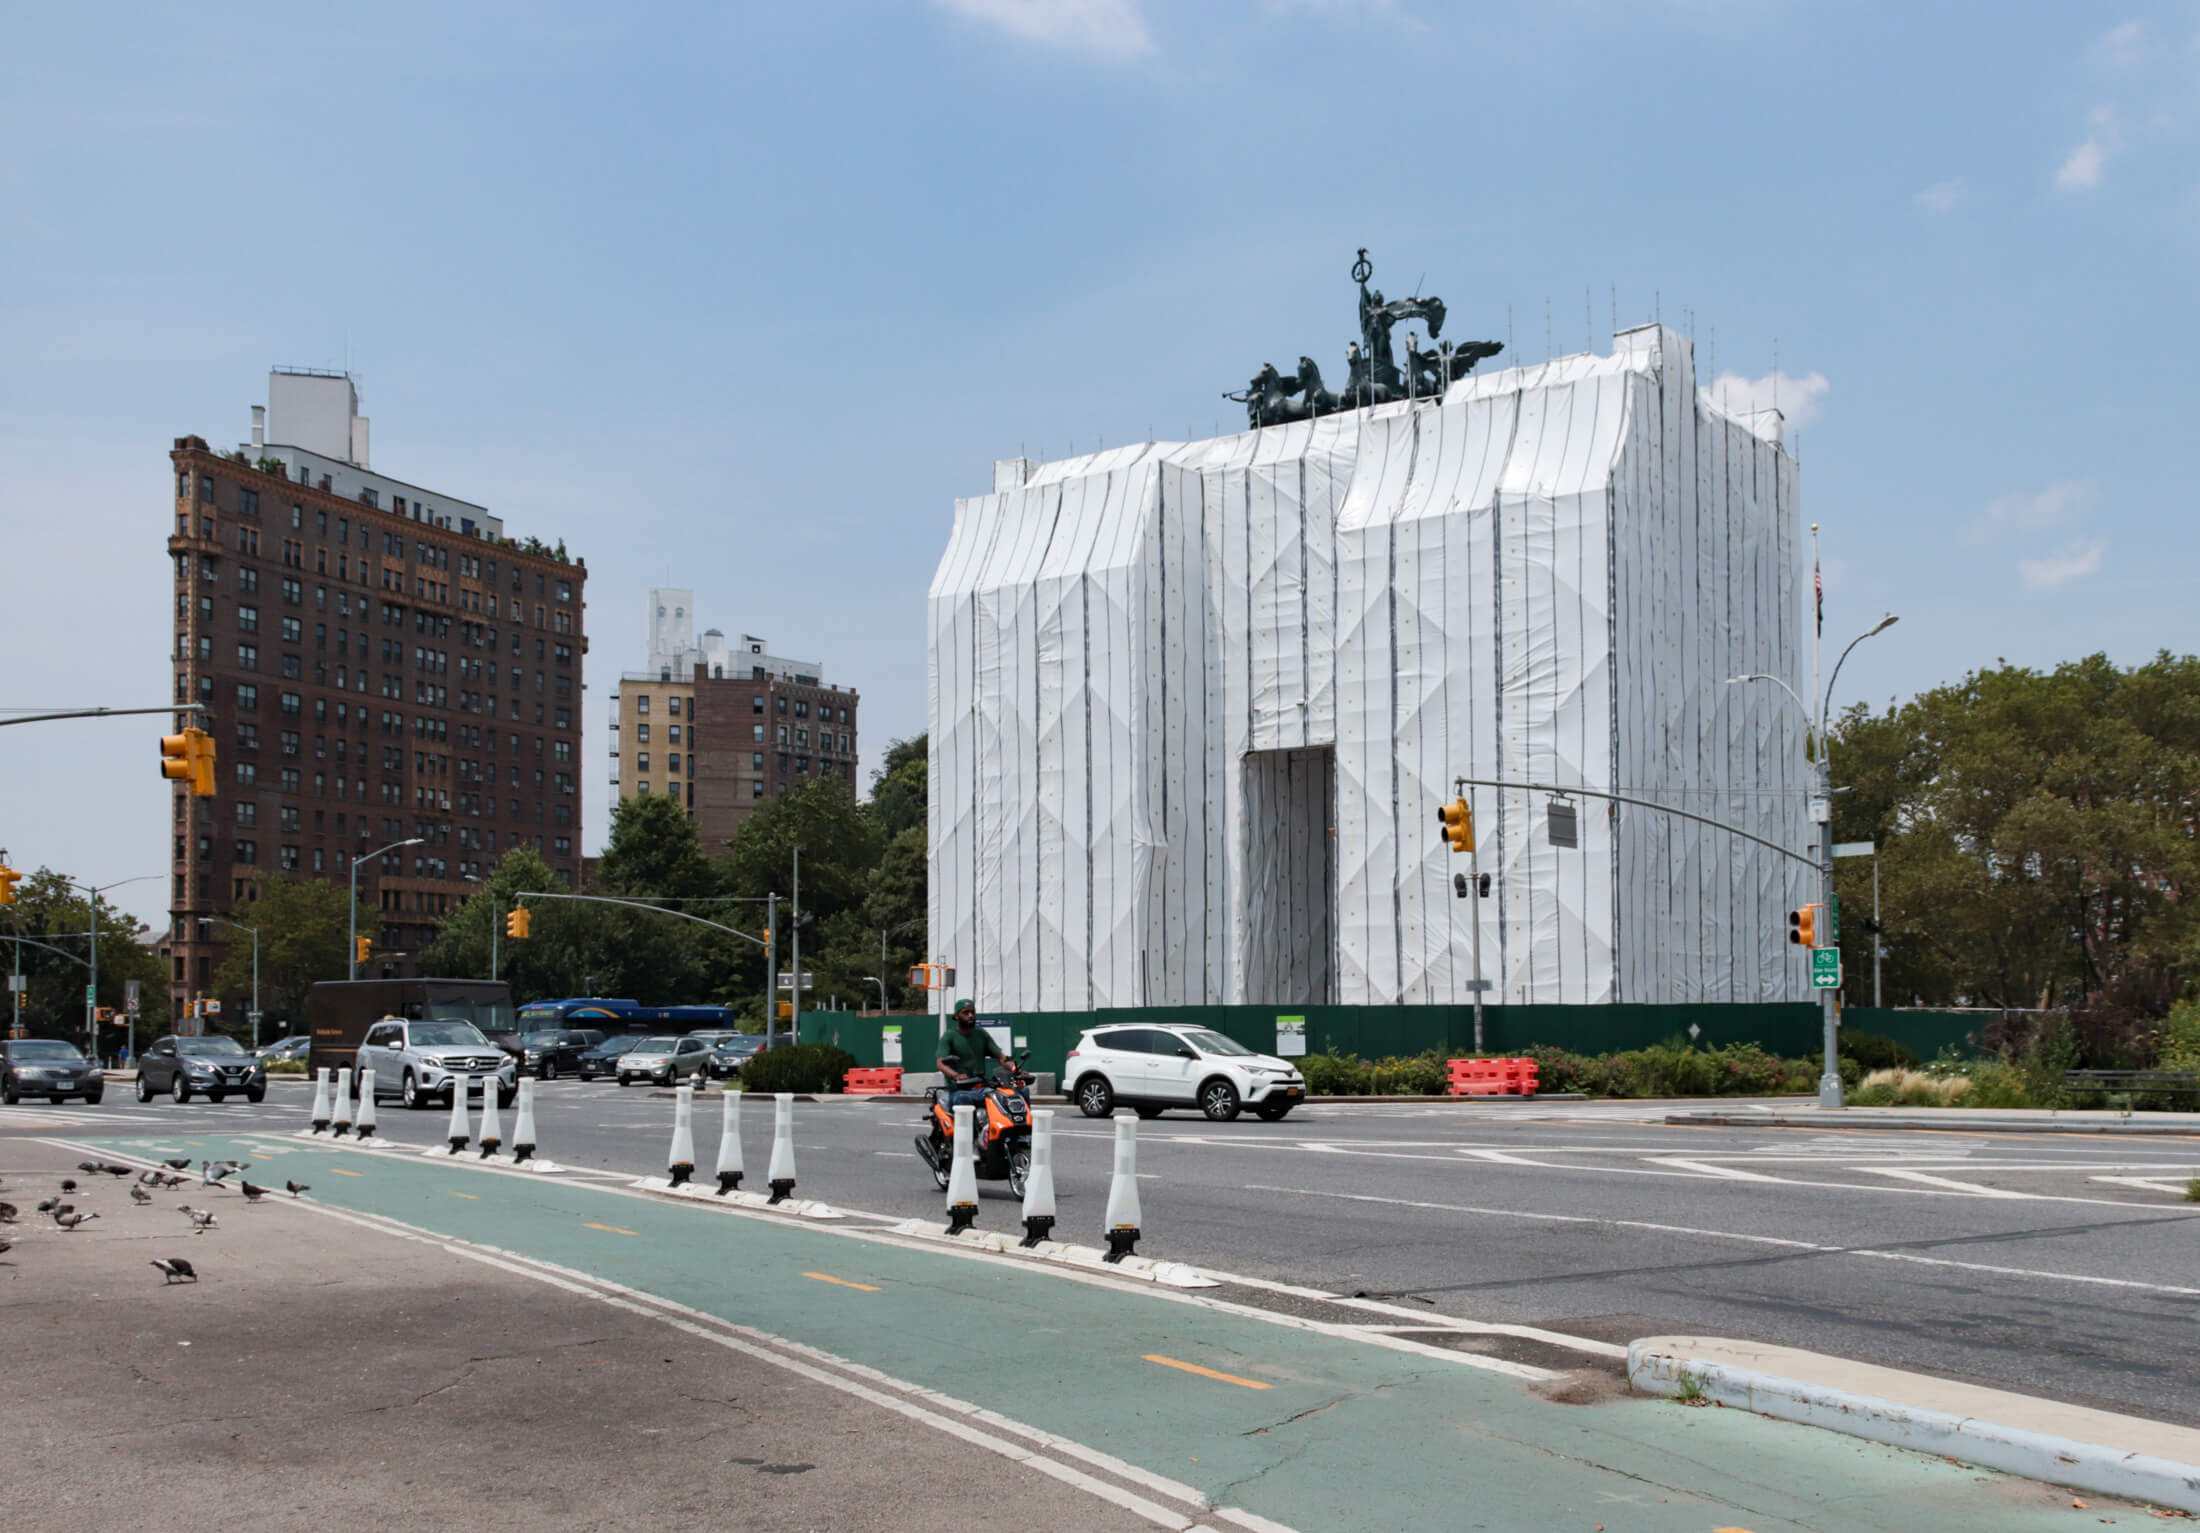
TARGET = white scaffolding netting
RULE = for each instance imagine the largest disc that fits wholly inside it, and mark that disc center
(1194, 705)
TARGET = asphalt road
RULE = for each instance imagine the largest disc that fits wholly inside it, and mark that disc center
(2029, 1262)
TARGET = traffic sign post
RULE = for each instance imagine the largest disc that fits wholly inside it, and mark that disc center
(1825, 968)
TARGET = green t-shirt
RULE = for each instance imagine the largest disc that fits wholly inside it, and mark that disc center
(968, 1053)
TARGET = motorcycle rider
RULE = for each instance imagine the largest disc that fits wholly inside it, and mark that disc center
(967, 1054)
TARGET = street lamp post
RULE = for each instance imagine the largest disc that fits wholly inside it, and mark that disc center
(240, 926)
(351, 954)
(1829, 1082)
(91, 988)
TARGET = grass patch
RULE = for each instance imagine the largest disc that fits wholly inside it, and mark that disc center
(1690, 1390)
(2192, 1190)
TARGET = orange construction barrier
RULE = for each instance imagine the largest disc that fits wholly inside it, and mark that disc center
(1491, 1077)
(884, 1082)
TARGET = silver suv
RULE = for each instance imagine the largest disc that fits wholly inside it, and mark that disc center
(421, 1063)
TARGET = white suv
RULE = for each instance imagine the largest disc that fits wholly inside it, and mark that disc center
(1151, 1066)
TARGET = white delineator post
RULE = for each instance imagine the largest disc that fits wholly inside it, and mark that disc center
(364, 1126)
(492, 1136)
(962, 1179)
(1039, 1181)
(459, 1131)
(320, 1100)
(729, 1141)
(340, 1116)
(1121, 1223)
(781, 1171)
(523, 1124)
(682, 1164)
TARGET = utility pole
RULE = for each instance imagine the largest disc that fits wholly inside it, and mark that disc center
(794, 982)
(1474, 915)
(771, 967)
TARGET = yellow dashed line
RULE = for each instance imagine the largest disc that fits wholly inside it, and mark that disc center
(473, 1197)
(340, 1171)
(1205, 1373)
(826, 1277)
(612, 1228)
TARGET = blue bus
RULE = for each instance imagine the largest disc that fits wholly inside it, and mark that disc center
(613, 1016)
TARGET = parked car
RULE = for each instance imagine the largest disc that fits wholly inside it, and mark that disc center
(664, 1060)
(213, 1065)
(603, 1059)
(423, 1062)
(730, 1053)
(1150, 1067)
(296, 1047)
(553, 1052)
(47, 1067)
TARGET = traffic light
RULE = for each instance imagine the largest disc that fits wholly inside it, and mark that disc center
(1803, 926)
(518, 922)
(1456, 821)
(362, 946)
(189, 757)
(9, 878)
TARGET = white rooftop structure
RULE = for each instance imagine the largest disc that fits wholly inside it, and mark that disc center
(674, 652)
(1194, 706)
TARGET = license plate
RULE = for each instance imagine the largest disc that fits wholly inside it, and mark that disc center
(1292, 1091)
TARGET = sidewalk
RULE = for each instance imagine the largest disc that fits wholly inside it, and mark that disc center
(1973, 1120)
(1264, 1416)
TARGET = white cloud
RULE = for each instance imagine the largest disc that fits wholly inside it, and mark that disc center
(2056, 506)
(1939, 197)
(2122, 47)
(2073, 561)
(2082, 170)
(1796, 398)
(1115, 28)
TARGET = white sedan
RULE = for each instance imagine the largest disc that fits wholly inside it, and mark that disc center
(1152, 1066)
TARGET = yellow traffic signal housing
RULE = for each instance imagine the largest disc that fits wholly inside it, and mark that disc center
(189, 757)
(786, 1011)
(1456, 821)
(365, 946)
(9, 878)
(519, 922)
(1803, 926)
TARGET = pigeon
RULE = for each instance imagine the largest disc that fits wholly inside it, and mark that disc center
(70, 1221)
(251, 1193)
(68, 1184)
(48, 1205)
(88, 1165)
(232, 1165)
(7, 1213)
(5, 1247)
(61, 1208)
(210, 1175)
(149, 1178)
(295, 1188)
(203, 1218)
(174, 1269)
(177, 1165)
(116, 1170)
(140, 1196)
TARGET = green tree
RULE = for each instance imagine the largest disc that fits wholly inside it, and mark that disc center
(899, 789)
(654, 851)
(304, 926)
(839, 843)
(53, 919)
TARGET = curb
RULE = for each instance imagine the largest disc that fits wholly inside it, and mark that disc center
(1843, 1123)
(1655, 1369)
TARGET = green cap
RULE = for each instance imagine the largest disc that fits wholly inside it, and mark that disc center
(961, 1002)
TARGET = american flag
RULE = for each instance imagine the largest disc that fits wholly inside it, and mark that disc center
(1818, 587)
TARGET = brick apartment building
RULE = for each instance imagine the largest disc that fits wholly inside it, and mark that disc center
(379, 662)
(721, 728)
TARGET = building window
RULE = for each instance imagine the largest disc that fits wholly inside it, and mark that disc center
(782, 705)
(248, 851)
(641, 762)
(641, 734)
(756, 761)
(641, 705)
(675, 731)
(248, 656)
(756, 787)
(248, 815)
(801, 710)
(247, 696)
(289, 857)
(672, 763)
(756, 703)
(672, 706)
(641, 790)
(248, 620)
(758, 730)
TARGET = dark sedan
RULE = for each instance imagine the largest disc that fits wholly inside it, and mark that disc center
(603, 1059)
(213, 1065)
(733, 1051)
(556, 1051)
(46, 1067)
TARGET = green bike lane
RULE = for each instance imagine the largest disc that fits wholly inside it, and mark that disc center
(1312, 1430)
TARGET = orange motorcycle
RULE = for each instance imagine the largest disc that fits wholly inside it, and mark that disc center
(1003, 1153)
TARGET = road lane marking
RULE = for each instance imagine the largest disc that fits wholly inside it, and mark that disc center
(1974, 1188)
(612, 1228)
(1723, 1173)
(827, 1277)
(471, 1197)
(340, 1171)
(1806, 1247)
(1205, 1373)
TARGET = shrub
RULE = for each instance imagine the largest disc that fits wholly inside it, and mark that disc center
(810, 1068)
(287, 1067)
(2177, 1045)
(1334, 1075)
(1910, 1088)
(1422, 1075)
(1875, 1051)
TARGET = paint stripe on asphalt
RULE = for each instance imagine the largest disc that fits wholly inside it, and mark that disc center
(1205, 1373)
(827, 1277)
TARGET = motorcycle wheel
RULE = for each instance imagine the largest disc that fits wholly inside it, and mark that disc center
(935, 1153)
(1019, 1171)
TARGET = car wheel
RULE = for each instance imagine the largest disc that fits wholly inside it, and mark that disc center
(549, 1070)
(408, 1092)
(57, 1099)
(144, 1089)
(1095, 1098)
(180, 1089)
(622, 1080)
(256, 1096)
(11, 1096)
(91, 1098)
(1219, 1101)
(1019, 1171)
(1272, 1112)
(216, 1096)
(1148, 1110)
(507, 1098)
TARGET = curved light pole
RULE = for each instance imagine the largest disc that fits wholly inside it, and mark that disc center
(1829, 1082)
(351, 951)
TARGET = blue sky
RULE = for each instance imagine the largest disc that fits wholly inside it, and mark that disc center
(745, 296)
